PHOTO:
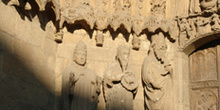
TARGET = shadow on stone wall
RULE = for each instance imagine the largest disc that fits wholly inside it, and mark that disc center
(43, 16)
(19, 87)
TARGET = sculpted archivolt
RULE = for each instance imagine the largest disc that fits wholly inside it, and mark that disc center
(203, 19)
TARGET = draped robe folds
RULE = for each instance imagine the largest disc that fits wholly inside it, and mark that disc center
(117, 97)
(153, 72)
(82, 93)
(194, 7)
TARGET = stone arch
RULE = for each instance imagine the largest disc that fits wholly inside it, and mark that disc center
(197, 42)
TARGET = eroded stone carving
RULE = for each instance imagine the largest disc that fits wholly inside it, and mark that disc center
(194, 26)
(209, 5)
(122, 15)
(206, 100)
(136, 42)
(200, 6)
(156, 76)
(187, 30)
(120, 83)
(99, 38)
(204, 65)
(83, 11)
(202, 25)
(216, 22)
(80, 85)
(158, 7)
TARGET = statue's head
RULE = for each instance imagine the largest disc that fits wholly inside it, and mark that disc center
(159, 46)
(80, 53)
(123, 53)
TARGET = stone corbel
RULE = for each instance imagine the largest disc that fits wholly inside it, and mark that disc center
(136, 42)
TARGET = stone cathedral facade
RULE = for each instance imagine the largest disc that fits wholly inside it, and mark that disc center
(109, 54)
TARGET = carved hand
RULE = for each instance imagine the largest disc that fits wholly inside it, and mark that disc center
(169, 68)
(72, 78)
(108, 82)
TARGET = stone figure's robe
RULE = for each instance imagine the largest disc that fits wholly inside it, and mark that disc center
(194, 7)
(154, 72)
(117, 96)
(82, 94)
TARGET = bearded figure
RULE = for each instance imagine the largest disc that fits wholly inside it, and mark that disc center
(156, 76)
(120, 83)
(80, 85)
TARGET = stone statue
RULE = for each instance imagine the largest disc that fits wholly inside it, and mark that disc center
(120, 84)
(156, 76)
(80, 86)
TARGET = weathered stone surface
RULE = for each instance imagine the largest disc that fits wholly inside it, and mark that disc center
(38, 38)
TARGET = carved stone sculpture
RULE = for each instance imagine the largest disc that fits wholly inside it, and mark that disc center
(83, 11)
(80, 85)
(136, 42)
(158, 7)
(194, 7)
(206, 101)
(216, 22)
(156, 76)
(120, 83)
(99, 38)
(187, 30)
(208, 5)
(202, 25)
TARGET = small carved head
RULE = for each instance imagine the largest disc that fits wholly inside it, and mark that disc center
(99, 39)
(159, 46)
(80, 53)
(136, 43)
(123, 53)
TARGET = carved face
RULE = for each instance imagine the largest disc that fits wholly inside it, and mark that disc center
(159, 47)
(160, 50)
(80, 57)
(123, 57)
(136, 43)
(99, 39)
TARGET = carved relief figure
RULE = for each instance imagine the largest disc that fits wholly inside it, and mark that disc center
(184, 30)
(216, 22)
(202, 25)
(120, 83)
(156, 76)
(80, 85)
